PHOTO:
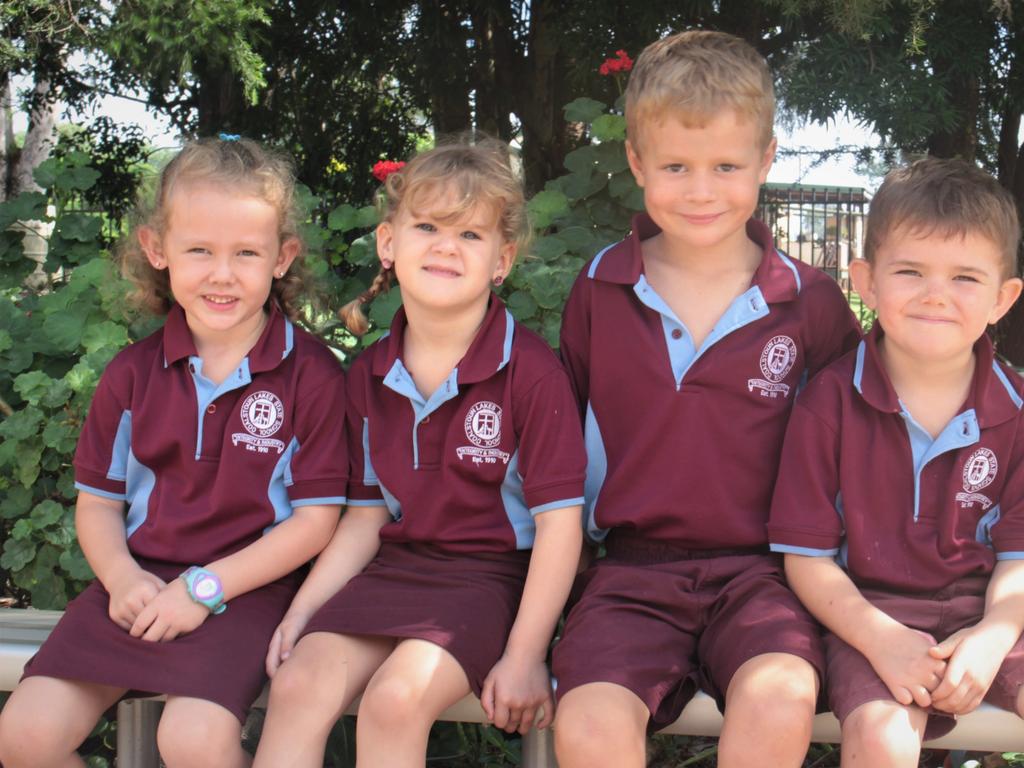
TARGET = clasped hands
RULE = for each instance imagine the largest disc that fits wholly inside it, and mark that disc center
(149, 608)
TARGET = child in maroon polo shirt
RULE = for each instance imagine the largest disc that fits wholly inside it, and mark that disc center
(900, 499)
(686, 344)
(466, 454)
(222, 437)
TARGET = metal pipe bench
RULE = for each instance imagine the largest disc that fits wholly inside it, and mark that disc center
(22, 631)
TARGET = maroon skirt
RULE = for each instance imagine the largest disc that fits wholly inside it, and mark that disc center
(221, 661)
(464, 603)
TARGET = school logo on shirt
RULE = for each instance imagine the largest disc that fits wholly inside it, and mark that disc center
(979, 471)
(262, 415)
(483, 428)
(777, 360)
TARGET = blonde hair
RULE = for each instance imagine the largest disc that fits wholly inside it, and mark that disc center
(944, 197)
(695, 74)
(236, 164)
(467, 173)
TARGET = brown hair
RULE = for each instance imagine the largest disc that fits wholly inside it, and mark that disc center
(475, 173)
(694, 74)
(236, 164)
(948, 198)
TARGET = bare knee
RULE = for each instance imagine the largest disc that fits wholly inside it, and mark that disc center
(392, 702)
(882, 733)
(593, 729)
(773, 689)
(29, 737)
(204, 736)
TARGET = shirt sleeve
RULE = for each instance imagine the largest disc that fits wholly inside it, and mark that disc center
(834, 328)
(574, 342)
(805, 518)
(363, 485)
(552, 460)
(319, 469)
(101, 457)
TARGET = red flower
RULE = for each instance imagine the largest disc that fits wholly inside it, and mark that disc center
(384, 168)
(621, 63)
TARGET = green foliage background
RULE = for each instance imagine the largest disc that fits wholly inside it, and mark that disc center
(55, 340)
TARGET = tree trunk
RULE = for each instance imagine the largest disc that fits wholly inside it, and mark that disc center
(446, 62)
(219, 100)
(40, 138)
(497, 67)
(542, 96)
(7, 148)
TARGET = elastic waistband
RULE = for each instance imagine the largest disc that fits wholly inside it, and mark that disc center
(624, 546)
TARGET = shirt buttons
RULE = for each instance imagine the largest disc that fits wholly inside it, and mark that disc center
(426, 420)
(191, 368)
(212, 408)
(676, 333)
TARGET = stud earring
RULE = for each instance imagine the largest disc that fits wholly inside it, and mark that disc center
(498, 280)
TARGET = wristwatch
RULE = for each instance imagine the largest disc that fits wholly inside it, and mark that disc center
(205, 588)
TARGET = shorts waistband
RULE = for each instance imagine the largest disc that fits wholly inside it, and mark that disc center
(624, 546)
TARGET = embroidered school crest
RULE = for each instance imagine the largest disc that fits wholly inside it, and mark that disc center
(262, 415)
(777, 359)
(483, 429)
(979, 471)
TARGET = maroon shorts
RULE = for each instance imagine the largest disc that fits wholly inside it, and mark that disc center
(464, 603)
(852, 680)
(662, 622)
(222, 660)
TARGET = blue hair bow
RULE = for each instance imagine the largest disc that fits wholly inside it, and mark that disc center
(228, 136)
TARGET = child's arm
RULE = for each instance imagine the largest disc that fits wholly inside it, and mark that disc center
(290, 544)
(975, 653)
(519, 685)
(354, 544)
(898, 654)
(99, 523)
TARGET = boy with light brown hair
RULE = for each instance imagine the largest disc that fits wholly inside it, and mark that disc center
(686, 344)
(900, 499)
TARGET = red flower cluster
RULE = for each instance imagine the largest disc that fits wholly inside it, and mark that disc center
(620, 64)
(384, 168)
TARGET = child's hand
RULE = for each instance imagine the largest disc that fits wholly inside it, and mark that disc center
(171, 613)
(130, 592)
(284, 639)
(901, 658)
(972, 666)
(515, 692)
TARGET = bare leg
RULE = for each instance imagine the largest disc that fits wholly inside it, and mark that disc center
(769, 712)
(885, 733)
(46, 719)
(601, 724)
(196, 733)
(402, 700)
(311, 690)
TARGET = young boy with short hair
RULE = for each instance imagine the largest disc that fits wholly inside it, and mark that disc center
(686, 344)
(900, 499)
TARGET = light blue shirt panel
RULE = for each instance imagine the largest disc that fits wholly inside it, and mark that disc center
(140, 483)
(400, 380)
(683, 353)
(597, 470)
(518, 514)
(277, 488)
(962, 430)
(207, 391)
(983, 531)
(118, 469)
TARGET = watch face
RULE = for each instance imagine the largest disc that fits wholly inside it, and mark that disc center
(206, 587)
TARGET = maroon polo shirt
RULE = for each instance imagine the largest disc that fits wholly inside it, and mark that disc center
(467, 467)
(860, 481)
(683, 443)
(207, 469)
